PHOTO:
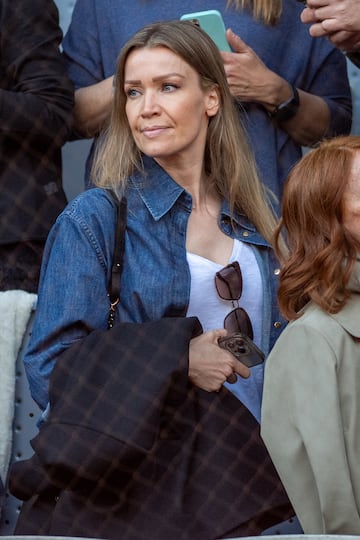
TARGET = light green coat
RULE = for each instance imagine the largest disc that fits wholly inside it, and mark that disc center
(311, 415)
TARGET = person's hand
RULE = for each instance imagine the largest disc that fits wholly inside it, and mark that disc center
(209, 365)
(249, 78)
(246, 73)
(346, 41)
(308, 15)
(339, 20)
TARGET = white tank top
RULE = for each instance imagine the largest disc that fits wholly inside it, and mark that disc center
(211, 310)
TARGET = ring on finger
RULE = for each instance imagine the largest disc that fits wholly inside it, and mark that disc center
(231, 379)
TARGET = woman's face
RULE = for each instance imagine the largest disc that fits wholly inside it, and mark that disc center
(167, 109)
(352, 199)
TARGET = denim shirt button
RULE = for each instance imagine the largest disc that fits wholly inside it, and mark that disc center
(277, 324)
(245, 233)
(277, 271)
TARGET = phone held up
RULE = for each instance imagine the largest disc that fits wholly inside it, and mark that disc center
(212, 23)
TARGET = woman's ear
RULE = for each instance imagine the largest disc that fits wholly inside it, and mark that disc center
(212, 102)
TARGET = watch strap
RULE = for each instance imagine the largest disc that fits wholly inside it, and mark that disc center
(287, 109)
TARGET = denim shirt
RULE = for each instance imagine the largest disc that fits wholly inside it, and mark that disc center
(155, 281)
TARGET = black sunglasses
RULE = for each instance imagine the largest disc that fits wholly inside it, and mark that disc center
(228, 283)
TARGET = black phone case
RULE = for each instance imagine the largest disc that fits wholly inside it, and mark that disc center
(243, 348)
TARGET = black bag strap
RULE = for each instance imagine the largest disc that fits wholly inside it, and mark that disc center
(119, 248)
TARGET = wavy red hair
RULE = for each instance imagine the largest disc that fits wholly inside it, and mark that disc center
(321, 251)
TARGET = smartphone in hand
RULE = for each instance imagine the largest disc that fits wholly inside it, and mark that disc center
(212, 23)
(243, 348)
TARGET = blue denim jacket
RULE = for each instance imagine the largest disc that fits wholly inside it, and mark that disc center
(155, 281)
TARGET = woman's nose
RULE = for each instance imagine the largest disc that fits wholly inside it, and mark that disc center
(150, 103)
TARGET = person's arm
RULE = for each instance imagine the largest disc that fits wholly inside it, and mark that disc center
(73, 296)
(339, 20)
(38, 96)
(302, 426)
(251, 81)
(83, 51)
(93, 107)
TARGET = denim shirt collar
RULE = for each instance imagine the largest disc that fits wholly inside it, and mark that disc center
(171, 192)
(158, 201)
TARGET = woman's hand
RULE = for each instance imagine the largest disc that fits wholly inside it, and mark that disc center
(209, 365)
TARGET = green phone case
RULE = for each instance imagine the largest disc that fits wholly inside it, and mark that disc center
(212, 23)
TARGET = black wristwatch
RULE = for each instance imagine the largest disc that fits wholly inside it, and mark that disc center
(287, 109)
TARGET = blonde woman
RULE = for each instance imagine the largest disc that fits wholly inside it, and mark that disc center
(196, 246)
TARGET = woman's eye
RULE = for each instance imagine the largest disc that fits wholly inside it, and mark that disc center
(169, 87)
(132, 92)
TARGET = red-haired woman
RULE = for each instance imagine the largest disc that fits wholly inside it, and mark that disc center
(311, 403)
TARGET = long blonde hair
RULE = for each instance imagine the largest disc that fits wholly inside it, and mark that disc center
(268, 11)
(229, 163)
